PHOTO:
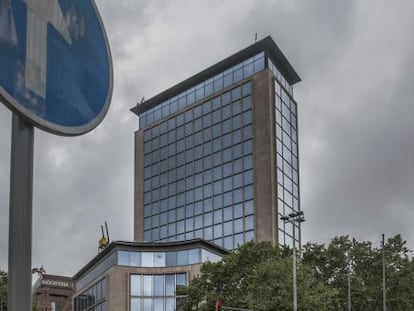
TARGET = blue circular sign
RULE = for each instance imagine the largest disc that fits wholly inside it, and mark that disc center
(55, 64)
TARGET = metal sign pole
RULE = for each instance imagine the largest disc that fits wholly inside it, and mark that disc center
(36, 62)
(20, 218)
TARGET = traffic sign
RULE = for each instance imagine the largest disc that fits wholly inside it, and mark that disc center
(55, 64)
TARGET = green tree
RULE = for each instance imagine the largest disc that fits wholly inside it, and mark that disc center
(342, 256)
(271, 288)
(257, 276)
(399, 275)
(3, 290)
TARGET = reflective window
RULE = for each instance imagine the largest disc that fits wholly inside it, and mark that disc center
(160, 259)
(94, 297)
(228, 228)
(156, 292)
(189, 97)
(193, 256)
(238, 225)
(208, 256)
(228, 242)
(204, 174)
(286, 138)
(218, 216)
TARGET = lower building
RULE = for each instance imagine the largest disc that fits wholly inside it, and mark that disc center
(129, 276)
(53, 293)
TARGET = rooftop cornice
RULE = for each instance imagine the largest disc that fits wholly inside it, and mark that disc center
(148, 246)
(267, 45)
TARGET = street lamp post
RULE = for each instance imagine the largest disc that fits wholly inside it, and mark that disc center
(296, 217)
(349, 280)
(384, 287)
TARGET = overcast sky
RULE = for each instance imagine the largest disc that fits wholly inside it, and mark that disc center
(355, 106)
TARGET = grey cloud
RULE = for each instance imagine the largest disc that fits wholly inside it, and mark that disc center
(358, 177)
(354, 102)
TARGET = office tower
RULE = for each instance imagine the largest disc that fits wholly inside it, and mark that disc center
(216, 156)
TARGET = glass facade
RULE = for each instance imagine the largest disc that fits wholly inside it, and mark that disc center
(96, 271)
(198, 172)
(93, 298)
(166, 259)
(146, 259)
(199, 155)
(157, 292)
(213, 85)
(287, 170)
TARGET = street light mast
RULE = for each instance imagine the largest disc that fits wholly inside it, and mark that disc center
(296, 217)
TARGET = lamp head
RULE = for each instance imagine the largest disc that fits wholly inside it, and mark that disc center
(300, 219)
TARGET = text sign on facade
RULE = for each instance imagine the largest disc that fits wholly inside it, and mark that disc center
(55, 63)
(54, 283)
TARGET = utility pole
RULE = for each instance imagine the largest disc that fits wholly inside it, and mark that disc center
(384, 287)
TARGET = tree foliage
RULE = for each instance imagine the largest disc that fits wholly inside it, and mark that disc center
(257, 276)
(361, 261)
(3, 290)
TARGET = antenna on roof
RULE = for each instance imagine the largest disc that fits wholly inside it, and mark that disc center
(255, 37)
(107, 232)
(104, 241)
